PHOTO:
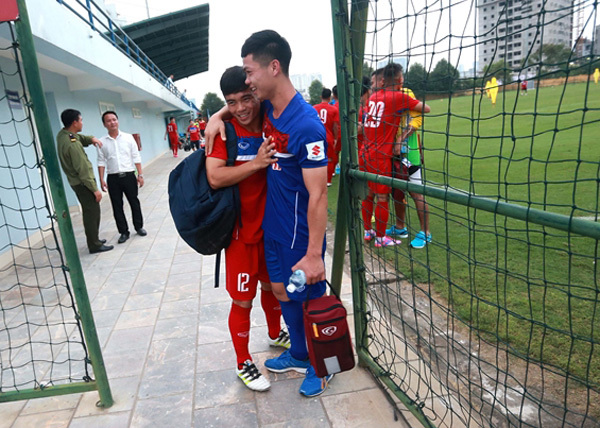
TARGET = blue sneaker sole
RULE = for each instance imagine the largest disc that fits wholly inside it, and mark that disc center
(314, 394)
(300, 370)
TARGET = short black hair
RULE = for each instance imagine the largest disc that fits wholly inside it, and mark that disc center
(171, 118)
(366, 85)
(108, 112)
(69, 116)
(391, 71)
(334, 91)
(326, 93)
(233, 80)
(267, 45)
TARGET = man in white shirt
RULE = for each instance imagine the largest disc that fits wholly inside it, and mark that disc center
(120, 157)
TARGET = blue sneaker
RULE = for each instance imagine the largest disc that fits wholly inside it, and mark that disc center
(285, 362)
(420, 240)
(396, 231)
(313, 385)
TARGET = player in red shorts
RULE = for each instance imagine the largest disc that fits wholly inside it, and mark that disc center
(194, 134)
(380, 128)
(173, 135)
(524, 87)
(244, 258)
(330, 117)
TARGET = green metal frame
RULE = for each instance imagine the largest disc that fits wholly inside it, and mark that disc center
(44, 130)
(349, 39)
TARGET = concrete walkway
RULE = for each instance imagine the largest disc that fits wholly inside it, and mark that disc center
(166, 345)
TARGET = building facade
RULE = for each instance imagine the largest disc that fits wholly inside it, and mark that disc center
(512, 30)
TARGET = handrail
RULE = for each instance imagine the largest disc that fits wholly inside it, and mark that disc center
(113, 33)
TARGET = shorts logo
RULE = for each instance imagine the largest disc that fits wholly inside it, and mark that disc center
(329, 331)
(315, 151)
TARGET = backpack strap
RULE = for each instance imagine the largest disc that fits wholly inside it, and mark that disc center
(218, 269)
(232, 149)
(231, 143)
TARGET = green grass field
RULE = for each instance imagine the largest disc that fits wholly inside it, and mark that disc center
(534, 289)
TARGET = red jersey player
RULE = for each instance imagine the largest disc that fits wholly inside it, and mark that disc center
(244, 258)
(173, 135)
(380, 129)
(330, 117)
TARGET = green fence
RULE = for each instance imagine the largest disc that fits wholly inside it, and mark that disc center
(495, 321)
(48, 341)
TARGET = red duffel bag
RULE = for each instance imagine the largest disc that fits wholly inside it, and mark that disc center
(327, 335)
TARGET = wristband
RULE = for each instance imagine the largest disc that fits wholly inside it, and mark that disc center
(140, 176)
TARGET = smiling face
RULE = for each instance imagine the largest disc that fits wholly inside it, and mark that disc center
(111, 123)
(259, 77)
(245, 107)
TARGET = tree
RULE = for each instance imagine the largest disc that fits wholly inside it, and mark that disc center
(551, 58)
(314, 91)
(415, 79)
(442, 78)
(211, 104)
(499, 69)
(367, 70)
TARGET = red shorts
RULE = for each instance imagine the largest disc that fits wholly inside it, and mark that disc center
(378, 164)
(244, 267)
(173, 139)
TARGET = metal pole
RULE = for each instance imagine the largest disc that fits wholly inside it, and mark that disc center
(348, 203)
(40, 111)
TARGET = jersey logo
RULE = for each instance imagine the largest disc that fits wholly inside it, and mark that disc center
(316, 150)
(279, 139)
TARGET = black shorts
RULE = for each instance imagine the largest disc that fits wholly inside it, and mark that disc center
(202, 133)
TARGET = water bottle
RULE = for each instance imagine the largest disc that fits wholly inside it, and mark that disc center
(297, 282)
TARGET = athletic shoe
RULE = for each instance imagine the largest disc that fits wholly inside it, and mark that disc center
(396, 231)
(252, 378)
(369, 234)
(313, 385)
(283, 340)
(329, 184)
(386, 241)
(285, 362)
(420, 240)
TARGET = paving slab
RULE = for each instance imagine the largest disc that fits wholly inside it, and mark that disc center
(166, 345)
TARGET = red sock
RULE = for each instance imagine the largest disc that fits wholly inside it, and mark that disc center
(239, 328)
(272, 309)
(330, 170)
(382, 213)
(367, 212)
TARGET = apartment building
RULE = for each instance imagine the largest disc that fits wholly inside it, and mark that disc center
(514, 29)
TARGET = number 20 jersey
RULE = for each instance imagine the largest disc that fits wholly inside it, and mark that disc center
(382, 120)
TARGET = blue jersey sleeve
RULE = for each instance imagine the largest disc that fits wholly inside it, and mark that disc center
(310, 147)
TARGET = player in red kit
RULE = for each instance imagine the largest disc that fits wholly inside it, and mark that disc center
(330, 117)
(385, 109)
(245, 262)
(173, 136)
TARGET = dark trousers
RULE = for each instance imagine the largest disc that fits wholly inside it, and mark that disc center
(119, 184)
(90, 211)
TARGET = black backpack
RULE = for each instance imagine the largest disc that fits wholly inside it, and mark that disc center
(205, 218)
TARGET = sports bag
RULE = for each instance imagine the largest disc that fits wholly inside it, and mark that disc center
(204, 218)
(327, 335)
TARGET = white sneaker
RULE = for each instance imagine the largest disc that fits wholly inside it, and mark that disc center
(282, 341)
(252, 378)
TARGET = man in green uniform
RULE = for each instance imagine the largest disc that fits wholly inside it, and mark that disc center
(79, 172)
